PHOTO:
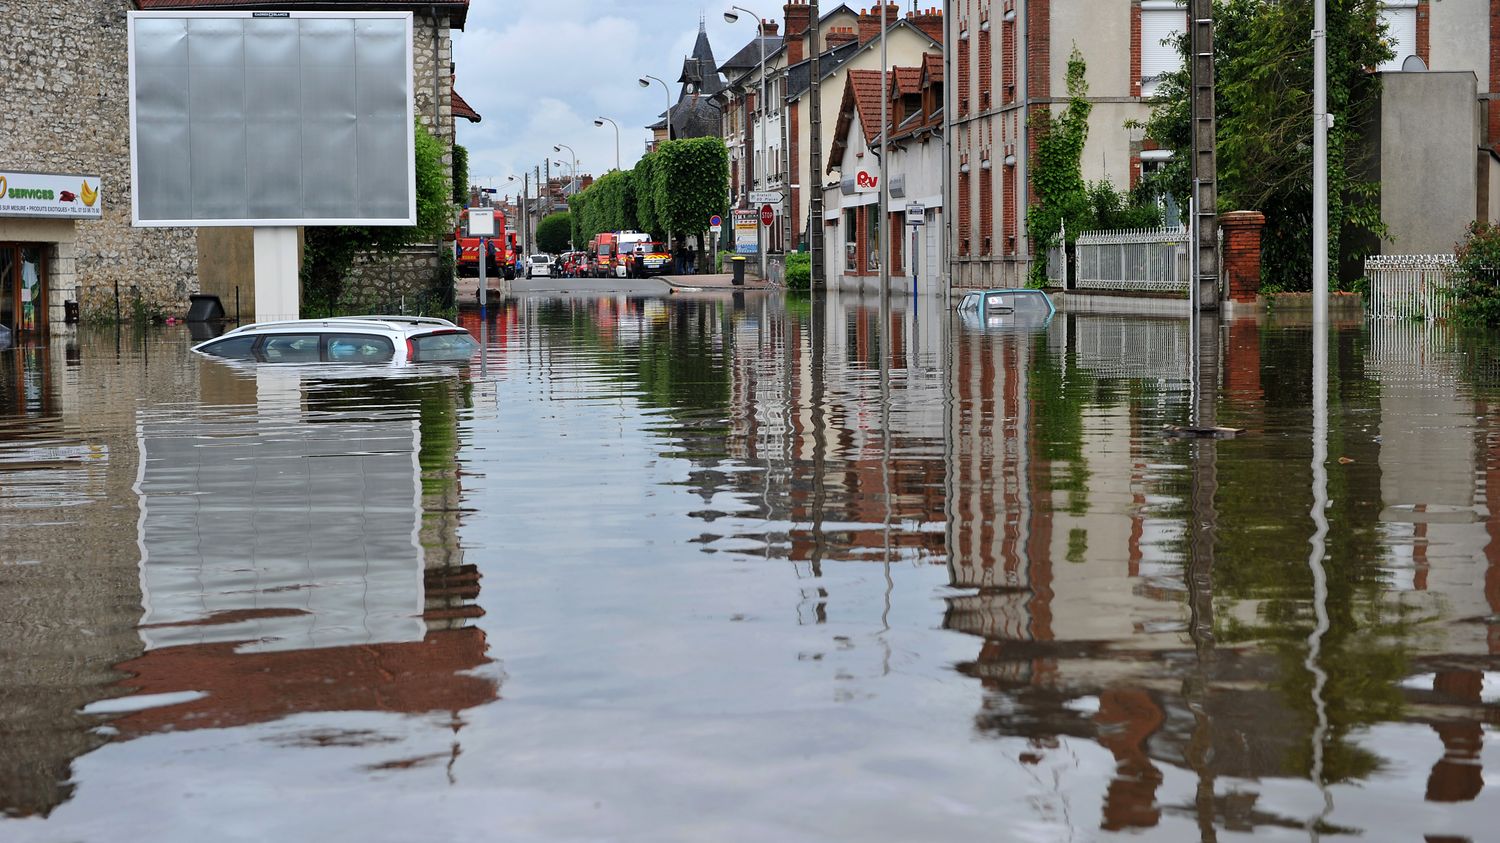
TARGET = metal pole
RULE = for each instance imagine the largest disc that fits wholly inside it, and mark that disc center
(764, 150)
(1321, 119)
(484, 243)
(884, 207)
(814, 184)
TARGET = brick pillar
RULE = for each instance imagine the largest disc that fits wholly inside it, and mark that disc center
(1242, 230)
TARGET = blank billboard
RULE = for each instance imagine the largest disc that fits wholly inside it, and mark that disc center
(271, 118)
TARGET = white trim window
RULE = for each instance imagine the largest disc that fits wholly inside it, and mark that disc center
(1162, 21)
(1400, 19)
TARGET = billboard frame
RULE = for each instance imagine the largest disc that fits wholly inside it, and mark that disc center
(241, 222)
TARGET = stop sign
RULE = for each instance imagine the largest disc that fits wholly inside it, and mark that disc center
(767, 216)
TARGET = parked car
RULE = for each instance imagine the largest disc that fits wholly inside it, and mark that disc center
(386, 340)
(539, 264)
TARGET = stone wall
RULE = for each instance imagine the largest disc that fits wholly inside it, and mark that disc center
(394, 284)
(63, 81)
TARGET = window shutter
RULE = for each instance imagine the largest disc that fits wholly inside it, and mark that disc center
(1159, 24)
(1401, 32)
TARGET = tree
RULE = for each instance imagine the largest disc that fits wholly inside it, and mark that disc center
(328, 252)
(460, 174)
(1057, 172)
(688, 183)
(553, 232)
(1264, 100)
(607, 205)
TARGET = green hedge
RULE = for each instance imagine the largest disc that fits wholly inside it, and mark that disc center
(798, 270)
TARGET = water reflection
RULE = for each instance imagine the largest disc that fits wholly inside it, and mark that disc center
(811, 568)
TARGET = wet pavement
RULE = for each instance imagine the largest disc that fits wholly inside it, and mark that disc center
(725, 565)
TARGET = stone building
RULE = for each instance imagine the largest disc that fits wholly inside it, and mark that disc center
(63, 63)
(696, 113)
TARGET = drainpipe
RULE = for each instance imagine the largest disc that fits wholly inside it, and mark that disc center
(950, 205)
(437, 105)
(1023, 155)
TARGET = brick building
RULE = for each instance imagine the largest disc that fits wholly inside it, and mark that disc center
(1006, 65)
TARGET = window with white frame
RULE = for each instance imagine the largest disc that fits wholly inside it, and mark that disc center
(1400, 19)
(1162, 21)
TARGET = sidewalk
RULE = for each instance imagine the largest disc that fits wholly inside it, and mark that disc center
(717, 281)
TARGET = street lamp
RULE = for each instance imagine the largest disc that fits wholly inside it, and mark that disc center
(645, 82)
(600, 121)
(524, 216)
(559, 148)
(731, 17)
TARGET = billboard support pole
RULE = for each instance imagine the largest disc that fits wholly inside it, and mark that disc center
(277, 287)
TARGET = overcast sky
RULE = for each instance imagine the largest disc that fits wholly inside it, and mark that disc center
(540, 71)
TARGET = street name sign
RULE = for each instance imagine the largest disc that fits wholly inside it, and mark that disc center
(765, 197)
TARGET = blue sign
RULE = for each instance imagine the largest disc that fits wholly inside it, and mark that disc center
(715, 221)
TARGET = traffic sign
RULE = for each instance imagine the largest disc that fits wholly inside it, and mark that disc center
(916, 214)
(767, 216)
(715, 221)
(764, 197)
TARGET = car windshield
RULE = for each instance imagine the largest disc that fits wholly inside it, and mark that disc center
(541, 258)
(450, 346)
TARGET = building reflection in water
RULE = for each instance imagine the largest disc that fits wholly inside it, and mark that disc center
(300, 553)
(259, 544)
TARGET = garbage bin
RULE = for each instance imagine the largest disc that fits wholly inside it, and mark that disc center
(739, 271)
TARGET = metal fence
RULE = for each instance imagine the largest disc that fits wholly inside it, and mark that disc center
(1415, 287)
(1143, 259)
(1057, 266)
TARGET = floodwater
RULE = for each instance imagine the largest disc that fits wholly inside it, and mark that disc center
(734, 568)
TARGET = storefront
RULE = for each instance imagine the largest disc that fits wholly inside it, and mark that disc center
(38, 215)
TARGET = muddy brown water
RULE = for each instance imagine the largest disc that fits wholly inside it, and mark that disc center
(732, 567)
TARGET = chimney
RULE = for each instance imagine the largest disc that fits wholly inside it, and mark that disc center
(869, 22)
(839, 36)
(798, 21)
(769, 28)
(929, 21)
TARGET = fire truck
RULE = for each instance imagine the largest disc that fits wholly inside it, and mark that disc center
(602, 254)
(466, 249)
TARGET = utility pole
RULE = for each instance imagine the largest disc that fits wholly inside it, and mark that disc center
(884, 207)
(1321, 121)
(815, 160)
(1204, 164)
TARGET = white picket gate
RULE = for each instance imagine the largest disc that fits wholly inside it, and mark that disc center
(1415, 287)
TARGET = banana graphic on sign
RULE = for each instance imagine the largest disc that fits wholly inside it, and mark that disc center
(88, 194)
(3, 187)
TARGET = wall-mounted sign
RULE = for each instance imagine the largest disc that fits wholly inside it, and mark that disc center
(866, 181)
(52, 195)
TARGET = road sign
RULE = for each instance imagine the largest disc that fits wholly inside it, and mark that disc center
(767, 216)
(916, 214)
(481, 222)
(715, 221)
(764, 197)
(715, 229)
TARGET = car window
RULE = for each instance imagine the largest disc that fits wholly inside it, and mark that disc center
(290, 348)
(449, 346)
(232, 348)
(359, 348)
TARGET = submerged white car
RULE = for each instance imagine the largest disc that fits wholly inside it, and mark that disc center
(539, 264)
(397, 340)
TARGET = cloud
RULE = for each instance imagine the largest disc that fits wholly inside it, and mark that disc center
(540, 72)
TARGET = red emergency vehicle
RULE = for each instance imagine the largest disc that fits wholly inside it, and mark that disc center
(466, 249)
(603, 254)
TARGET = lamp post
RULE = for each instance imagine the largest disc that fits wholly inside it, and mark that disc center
(731, 17)
(574, 181)
(645, 82)
(525, 190)
(573, 163)
(600, 121)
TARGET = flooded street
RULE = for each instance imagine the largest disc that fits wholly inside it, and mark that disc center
(717, 566)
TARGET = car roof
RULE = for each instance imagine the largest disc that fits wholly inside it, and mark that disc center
(404, 325)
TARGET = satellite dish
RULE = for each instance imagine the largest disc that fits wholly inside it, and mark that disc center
(1413, 64)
